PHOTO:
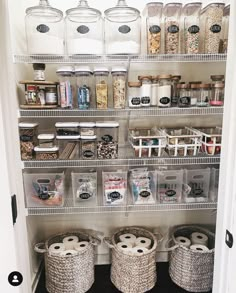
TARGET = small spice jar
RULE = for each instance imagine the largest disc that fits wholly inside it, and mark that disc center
(46, 140)
(217, 96)
(119, 79)
(155, 85)
(51, 95)
(204, 95)
(217, 79)
(88, 147)
(146, 90)
(87, 128)
(28, 139)
(164, 91)
(101, 87)
(47, 153)
(195, 94)
(31, 95)
(184, 95)
(39, 71)
(134, 94)
(174, 91)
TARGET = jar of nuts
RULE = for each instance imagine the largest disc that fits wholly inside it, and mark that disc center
(28, 139)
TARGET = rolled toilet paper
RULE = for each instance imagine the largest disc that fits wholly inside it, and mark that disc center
(138, 250)
(128, 238)
(68, 252)
(56, 248)
(81, 246)
(183, 241)
(198, 247)
(124, 246)
(199, 238)
(70, 241)
(143, 242)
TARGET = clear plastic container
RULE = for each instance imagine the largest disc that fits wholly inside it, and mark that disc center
(217, 94)
(44, 29)
(195, 94)
(174, 91)
(172, 11)
(146, 90)
(51, 153)
(65, 75)
(84, 30)
(225, 30)
(214, 184)
(107, 140)
(134, 94)
(67, 128)
(84, 87)
(154, 16)
(119, 84)
(164, 91)
(87, 128)
(28, 139)
(184, 95)
(88, 147)
(191, 15)
(205, 95)
(212, 15)
(101, 87)
(46, 140)
(122, 29)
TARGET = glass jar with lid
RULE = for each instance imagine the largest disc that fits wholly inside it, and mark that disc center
(44, 29)
(134, 94)
(205, 94)
(51, 95)
(225, 29)
(155, 85)
(184, 95)
(164, 91)
(172, 11)
(84, 86)
(174, 91)
(88, 147)
(195, 93)
(101, 87)
(84, 30)
(191, 17)
(119, 81)
(65, 75)
(153, 23)
(217, 95)
(217, 79)
(146, 90)
(122, 29)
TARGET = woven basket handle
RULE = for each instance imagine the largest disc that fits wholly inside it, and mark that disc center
(39, 247)
(107, 241)
(159, 236)
(95, 241)
(167, 245)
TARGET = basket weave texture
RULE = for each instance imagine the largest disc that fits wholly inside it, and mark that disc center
(133, 274)
(192, 270)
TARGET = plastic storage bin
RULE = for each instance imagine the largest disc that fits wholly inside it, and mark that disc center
(84, 87)
(198, 184)
(44, 29)
(170, 186)
(84, 30)
(119, 83)
(51, 153)
(69, 129)
(28, 139)
(65, 75)
(214, 184)
(44, 190)
(122, 29)
(88, 147)
(87, 128)
(46, 140)
(101, 87)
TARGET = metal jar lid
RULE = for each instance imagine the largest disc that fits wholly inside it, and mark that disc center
(218, 85)
(217, 77)
(144, 77)
(134, 84)
(183, 86)
(176, 77)
(165, 76)
(205, 86)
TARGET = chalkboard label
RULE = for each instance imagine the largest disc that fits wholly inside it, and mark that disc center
(216, 28)
(135, 101)
(85, 195)
(88, 154)
(194, 29)
(115, 195)
(170, 193)
(124, 29)
(145, 100)
(197, 192)
(144, 194)
(83, 29)
(107, 138)
(25, 138)
(185, 100)
(165, 100)
(155, 29)
(43, 28)
(173, 29)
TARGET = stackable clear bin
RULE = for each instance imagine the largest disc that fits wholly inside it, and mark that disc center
(28, 139)
(88, 128)
(46, 140)
(51, 153)
(88, 147)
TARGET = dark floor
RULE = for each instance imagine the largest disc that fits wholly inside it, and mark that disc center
(103, 284)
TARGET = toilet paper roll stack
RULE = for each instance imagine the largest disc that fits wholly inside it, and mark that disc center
(57, 248)
(199, 238)
(198, 247)
(198, 241)
(184, 241)
(70, 242)
(134, 245)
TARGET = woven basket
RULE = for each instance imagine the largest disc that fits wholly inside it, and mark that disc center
(192, 270)
(73, 273)
(130, 273)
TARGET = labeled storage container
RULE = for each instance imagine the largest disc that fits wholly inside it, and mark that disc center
(114, 187)
(164, 91)
(205, 95)
(198, 185)
(101, 87)
(88, 147)
(154, 16)
(174, 91)
(155, 86)
(195, 94)
(44, 29)
(67, 129)
(28, 139)
(134, 94)
(119, 83)
(65, 75)
(50, 153)
(146, 90)
(46, 140)
(44, 190)
(170, 186)
(171, 14)
(184, 95)
(217, 94)
(84, 187)
(225, 30)
(122, 29)
(84, 30)
(87, 128)
(84, 87)
(107, 140)
(214, 184)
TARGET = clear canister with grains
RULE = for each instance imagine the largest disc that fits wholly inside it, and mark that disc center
(119, 80)
(101, 87)
(134, 94)
(146, 90)
(164, 91)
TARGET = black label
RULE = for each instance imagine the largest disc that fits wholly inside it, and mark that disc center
(107, 138)
(25, 138)
(170, 193)
(145, 100)
(216, 28)
(88, 154)
(83, 29)
(144, 194)
(43, 28)
(197, 192)
(135, 101)
(115, 195)
(165, 100)
(85, 195)
(155, 29)
(173, 29)
(185, 100)
(174, 100)
(194, 29)
(124, 29)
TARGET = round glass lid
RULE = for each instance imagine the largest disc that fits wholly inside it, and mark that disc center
(44, 10)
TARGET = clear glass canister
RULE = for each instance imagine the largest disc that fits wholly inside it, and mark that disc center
(122, 29)
(65, 75)
(155, 85)
(195, 94)
(154, 16)
(107, 140)
(87, 128)
(191, 16)
(28, 139)
(134, 94)
(174, 91)
(101, 87)
(225, 30)
(84, 87)
(172, 13)
(44, 29)
(212, 16)
(184, 95)
(205, 94)
(217, 95)
(84, 30)
(51, 95)
(164, 91)
(146, 90)
(217, 79)
(88, 147)
(119, 81)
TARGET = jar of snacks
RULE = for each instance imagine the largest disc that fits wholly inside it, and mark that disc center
(217, 96)
(88, 147)
(134, 94)
(205, 94)
(84, 84)
(164, 91)
(146, 90)
(101, 87)
(119, 79)
(28, 139)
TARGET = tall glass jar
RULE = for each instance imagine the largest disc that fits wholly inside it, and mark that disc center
(191, 15)
(184, 95)
(88, 147)
(217, 96)
(101, 87)
(205, 94)
(84, 30)
(225, 30)
(154, 16)
(195, 94)
(119, 80)
(174, 91)
(65, 75)
(146, 90)
(122, 29)
(164, 91)
(172, 13)
(44, 29)
(134, 94)
(155, 85)
(84, 87)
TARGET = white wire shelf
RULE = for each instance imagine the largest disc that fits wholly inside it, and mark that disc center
(60, 59)
(134, 113)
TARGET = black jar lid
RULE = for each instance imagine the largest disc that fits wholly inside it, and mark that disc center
(39, 66)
